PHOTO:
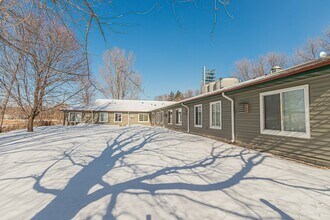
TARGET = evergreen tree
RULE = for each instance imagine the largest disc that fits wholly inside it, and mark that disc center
(178, 96)
(171, 96)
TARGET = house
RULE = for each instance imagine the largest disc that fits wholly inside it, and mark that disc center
(111, 111)
(286, 112)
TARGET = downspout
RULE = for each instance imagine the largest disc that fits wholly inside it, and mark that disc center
(188, 119)
(129, 119)
(92, 117)
(232, 117)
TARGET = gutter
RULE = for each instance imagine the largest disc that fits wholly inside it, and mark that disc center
(188, 119)
(232, 117)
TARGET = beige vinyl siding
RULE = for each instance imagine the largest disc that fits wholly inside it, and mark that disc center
(317, 148)
(87, 118)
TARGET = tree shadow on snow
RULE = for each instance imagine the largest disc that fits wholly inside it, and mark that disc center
(76, 194)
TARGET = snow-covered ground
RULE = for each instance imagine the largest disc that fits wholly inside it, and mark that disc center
(95, 172)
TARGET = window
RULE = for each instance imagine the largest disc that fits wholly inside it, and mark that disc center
(170, 116)
(285, 112)
(75, 117)
(143, 117)
(178, 116)
(118, 117)
(157, 117)
(198, 115)
(103, 117)
(215, 115)
(161, 117)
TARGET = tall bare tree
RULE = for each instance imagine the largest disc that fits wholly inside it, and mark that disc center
(53, 63)
(120, 81)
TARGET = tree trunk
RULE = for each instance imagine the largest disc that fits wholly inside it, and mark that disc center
(30, 124)
(2, 115)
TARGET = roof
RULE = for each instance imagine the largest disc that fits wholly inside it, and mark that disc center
(115, 105)
(270, 77)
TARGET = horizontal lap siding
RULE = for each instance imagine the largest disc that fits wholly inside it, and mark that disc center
(225, 132)
(316, 149)
(172, 125)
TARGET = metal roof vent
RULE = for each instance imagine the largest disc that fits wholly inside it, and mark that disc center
(275, 69)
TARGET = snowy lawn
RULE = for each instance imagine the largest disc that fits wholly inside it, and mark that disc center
(95, 172)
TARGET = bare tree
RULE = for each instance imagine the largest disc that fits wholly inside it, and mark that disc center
(120, 81)
(188, 94)
(163, 97)
(275, 59)
(308, 52)
(324, 41)
(53, 64)
(88, 91)
(10, 65)
(243, 70)
(247, 69)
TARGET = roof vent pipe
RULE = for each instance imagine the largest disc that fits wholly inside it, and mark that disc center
(275, 69)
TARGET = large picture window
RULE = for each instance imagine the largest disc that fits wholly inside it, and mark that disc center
(75, 117)
(118, 117)
(198, 115)
(285, 112)
(215, 115)
(178, 116)
(103, 117)
(143, 117)
(170, 117)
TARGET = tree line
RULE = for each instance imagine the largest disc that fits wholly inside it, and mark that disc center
(178, 96)
(246, 69)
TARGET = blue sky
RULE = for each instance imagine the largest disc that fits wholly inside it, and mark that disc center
(170, 53)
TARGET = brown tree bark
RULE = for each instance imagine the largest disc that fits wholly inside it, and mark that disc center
(30, 124)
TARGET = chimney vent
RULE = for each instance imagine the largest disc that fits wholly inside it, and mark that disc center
(275, 69)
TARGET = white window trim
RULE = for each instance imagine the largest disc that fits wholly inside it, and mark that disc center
(121, 117)
(168, 114)
(103, 113)
(180, 122)
(212, 126)
(306, 134)
(143, 114)
(74, 113)
(201, 125)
